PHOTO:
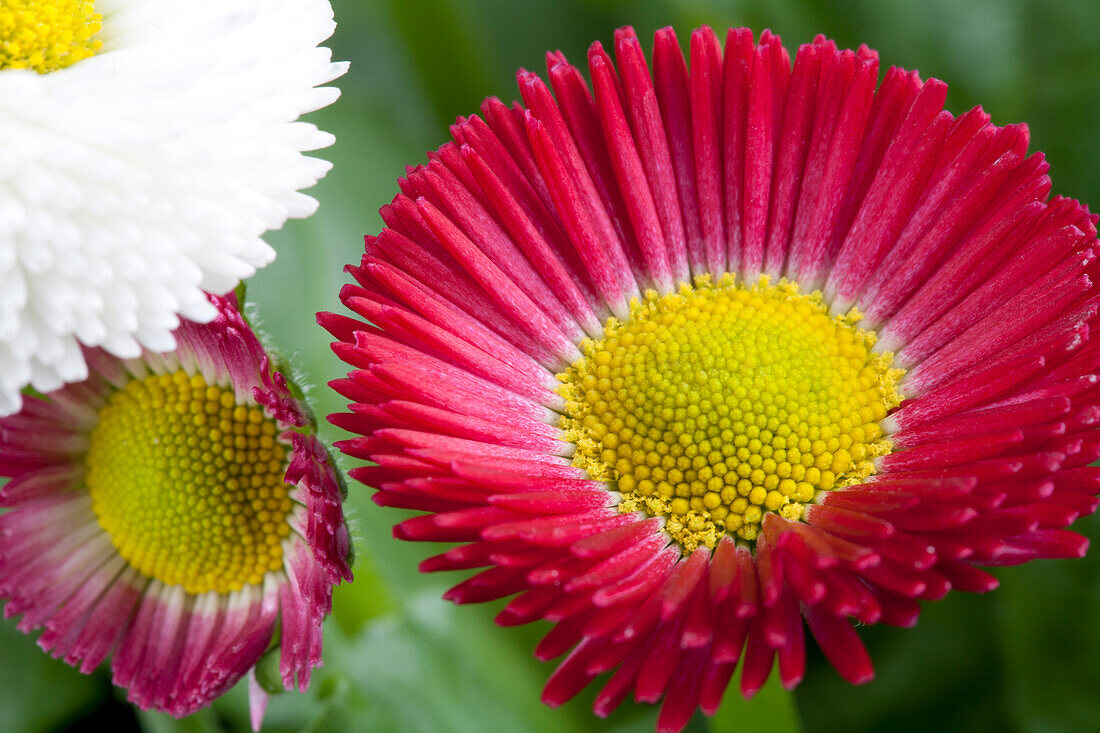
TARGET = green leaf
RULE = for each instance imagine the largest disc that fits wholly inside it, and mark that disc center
(204, 721)
(1050, 635)
(772, 709)
(942, 673)
(38, 693)
(366, 598)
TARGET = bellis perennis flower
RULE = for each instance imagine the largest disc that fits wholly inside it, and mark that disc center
(145, 147)
(700, 358)
(173, 512)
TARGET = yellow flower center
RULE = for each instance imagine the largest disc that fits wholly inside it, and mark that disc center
(717, 404)
(47, 35)
(189, 484)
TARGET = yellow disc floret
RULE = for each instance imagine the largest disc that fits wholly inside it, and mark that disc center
(189, 484)
(47, 35)
(715, 405)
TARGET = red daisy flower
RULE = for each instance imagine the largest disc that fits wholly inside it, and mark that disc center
(696, 355)
(173, 511)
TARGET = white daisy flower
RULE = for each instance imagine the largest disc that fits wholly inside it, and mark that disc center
(145, 148)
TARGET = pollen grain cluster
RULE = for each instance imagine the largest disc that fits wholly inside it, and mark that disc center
(719, 403)
(189, 484)
(47, 35)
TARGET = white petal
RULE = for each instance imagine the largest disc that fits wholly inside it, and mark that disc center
(135, 179)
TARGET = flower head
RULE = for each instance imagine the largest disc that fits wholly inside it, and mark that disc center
(708, 355)
(147, 146)
(172, 512)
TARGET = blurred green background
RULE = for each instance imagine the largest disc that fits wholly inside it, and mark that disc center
(397, 657)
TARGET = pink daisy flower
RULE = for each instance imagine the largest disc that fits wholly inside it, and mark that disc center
(701, 357)
(173, 512)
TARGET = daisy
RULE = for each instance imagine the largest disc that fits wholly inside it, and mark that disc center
(176, 513)
(146, 146)
(701, 357)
